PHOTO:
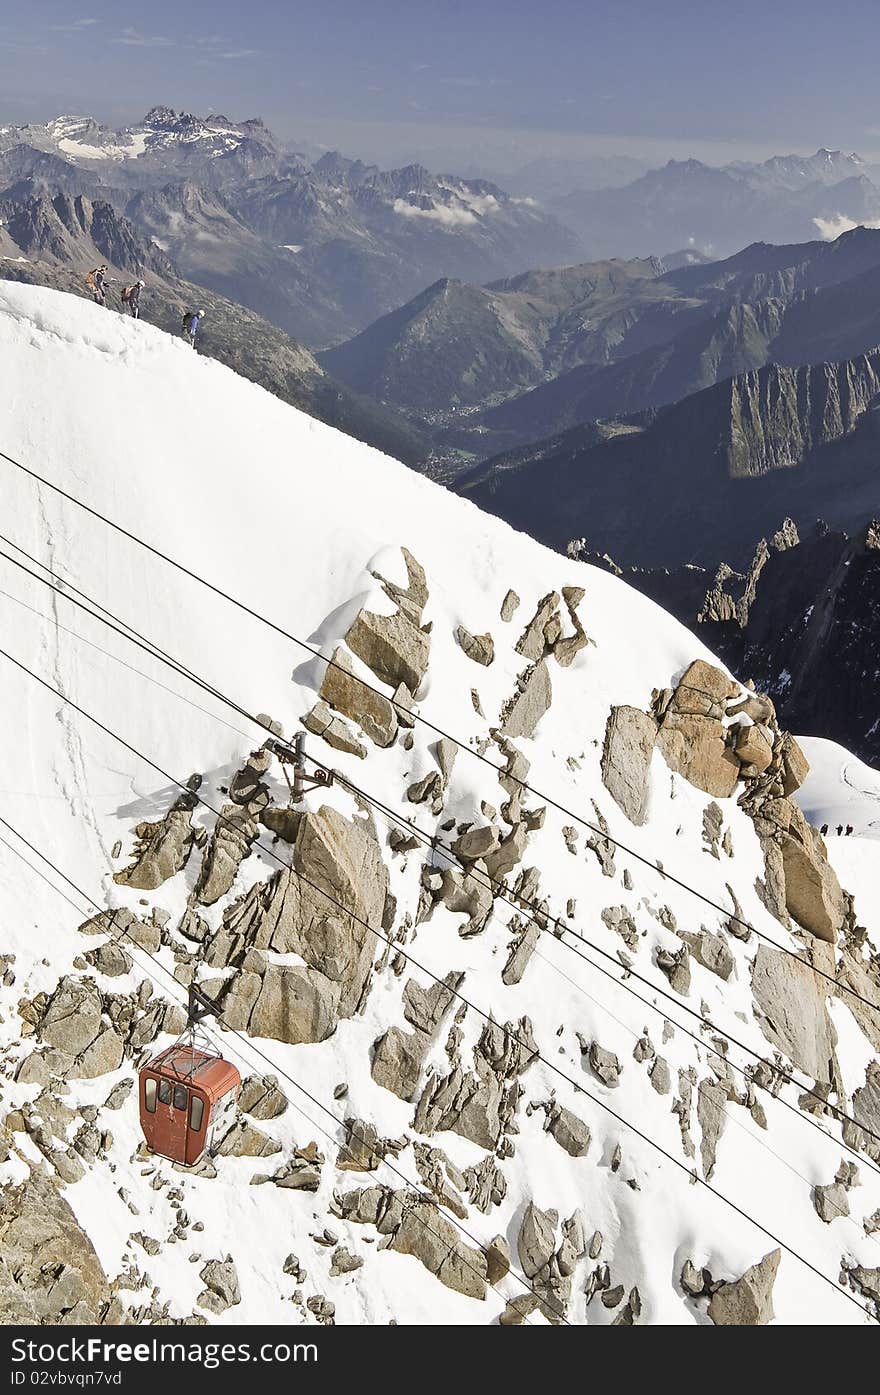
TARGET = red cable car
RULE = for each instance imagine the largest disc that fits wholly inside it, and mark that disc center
(188, 1096)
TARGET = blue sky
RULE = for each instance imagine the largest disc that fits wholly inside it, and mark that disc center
(558, 76)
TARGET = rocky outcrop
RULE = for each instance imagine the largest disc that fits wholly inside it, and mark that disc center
(348, 694)
(790, 999)
(479, 648)
(393, 647)
(548, 1264)
(74, 1024)
(163, 848)
(626, 760)
(221, 1290)
(530, 703)
(334, 730)
(415, 1226)
(234, 834)
(481, 1104)
(398, 1054)
(812, 893)
(747, 1301)
(321, 910)
(49, 1271)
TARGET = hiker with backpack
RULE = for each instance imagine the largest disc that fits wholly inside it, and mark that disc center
(97, 283)
(131, 297)
(191, 321)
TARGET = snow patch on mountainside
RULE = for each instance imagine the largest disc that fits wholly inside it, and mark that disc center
(303, 524)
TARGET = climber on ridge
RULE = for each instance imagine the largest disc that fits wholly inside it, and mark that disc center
(131, 296)
(97, 283)
(191, 321)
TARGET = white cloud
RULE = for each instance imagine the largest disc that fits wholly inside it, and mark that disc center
(449, 217)
(133, 39)
(838, 223)
(74, 27)
(241, 53)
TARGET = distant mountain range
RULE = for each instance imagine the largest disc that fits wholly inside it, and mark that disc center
(787, 198)
(488, 368)
(801, 619)
(695, 481)
(321, 248)
(55, 242)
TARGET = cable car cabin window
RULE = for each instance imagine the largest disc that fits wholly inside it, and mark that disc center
(164, 1091)
(196, 1113)
(180, 1097)
(150, 1095)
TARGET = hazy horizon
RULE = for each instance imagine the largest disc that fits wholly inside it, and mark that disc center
(498, 83)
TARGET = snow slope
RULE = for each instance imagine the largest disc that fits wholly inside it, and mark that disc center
(294, 518)
(840, 789)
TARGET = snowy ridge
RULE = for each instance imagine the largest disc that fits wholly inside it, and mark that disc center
(302, 523)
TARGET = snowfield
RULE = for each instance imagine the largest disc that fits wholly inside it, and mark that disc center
(296, 519)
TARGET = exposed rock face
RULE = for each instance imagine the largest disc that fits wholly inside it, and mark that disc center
(235, 832)
(537, 1239)
(754, 746)
(414, 1226)
(334, 730)
(398, 1055)
(626, 760)
(530, 704)
(748, 1301)
(163, 847)
(392, 646)
(570, 1132)
(866, 1111)
(73, 1023)
(792, 1014)
(509, 606)
(396, 647)
(221, 1286)
(711, 951)
(480, 1105)
(532, 642)
(480, 648)
(49, 1271)
(691, 736)
(342, 871)
(813, 896)
(372, 712)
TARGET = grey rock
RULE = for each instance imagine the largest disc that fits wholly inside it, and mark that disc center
(604, 1064)
(626, 760)
(163, 848)
(221, 1286)
(337, 733)
(497, 1259)
(479, 648)
(660, 1076)
(344, 1262)
(570, 1132)
(72, 1019)
(354, 699)
(532, 643)
(394, 647)
(830, 1201)
(530, 704)
(234, 833)
(509, 606)
(748, 1301)
(711, 1099)
(536, 1243)
(792, 1014)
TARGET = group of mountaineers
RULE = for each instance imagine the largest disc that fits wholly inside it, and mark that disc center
(99, 282)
